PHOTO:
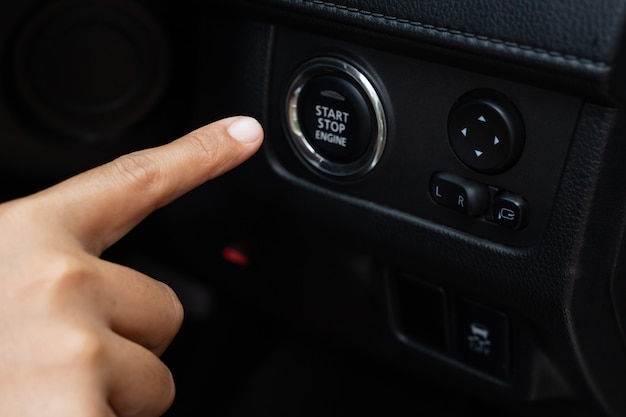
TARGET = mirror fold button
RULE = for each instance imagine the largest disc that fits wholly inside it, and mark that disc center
(510, 210)
(459, 194)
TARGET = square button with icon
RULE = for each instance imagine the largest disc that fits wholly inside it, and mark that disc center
(482, 338)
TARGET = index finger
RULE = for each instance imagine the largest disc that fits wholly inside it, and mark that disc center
(101, 205)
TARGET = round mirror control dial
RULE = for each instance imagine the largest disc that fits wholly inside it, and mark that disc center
(486, 132)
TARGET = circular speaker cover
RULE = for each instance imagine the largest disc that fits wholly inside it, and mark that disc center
(91, 69)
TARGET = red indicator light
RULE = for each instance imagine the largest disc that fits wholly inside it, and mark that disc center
(235, 256)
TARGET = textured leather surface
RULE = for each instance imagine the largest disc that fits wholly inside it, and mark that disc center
(580, 37)
(583, 31)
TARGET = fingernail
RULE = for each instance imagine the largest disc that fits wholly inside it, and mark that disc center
(245, 130)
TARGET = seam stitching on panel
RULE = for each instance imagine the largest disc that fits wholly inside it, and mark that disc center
(458, 33)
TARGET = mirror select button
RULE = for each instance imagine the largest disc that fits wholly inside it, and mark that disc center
(459, 194)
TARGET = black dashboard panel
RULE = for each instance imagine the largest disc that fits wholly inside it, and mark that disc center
(523, 284)
(418, 98)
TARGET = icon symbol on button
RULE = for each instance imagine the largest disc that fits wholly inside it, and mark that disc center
(478, 340)
(510, 210)
(506, 214)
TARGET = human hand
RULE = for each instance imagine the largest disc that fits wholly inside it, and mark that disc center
(80, 336)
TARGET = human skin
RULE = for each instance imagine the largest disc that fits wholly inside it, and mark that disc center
(81, 336)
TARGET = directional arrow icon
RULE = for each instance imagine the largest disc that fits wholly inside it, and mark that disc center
(482, 119)
(464, 132)
(478, 153)
(496, 140)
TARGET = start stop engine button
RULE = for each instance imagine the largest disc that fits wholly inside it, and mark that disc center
(335, 118)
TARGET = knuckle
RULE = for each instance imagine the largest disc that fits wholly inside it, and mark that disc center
(171, 320)
(139, 168)
(85, 348)
(60, 280)
(177, 311)
(174, 316)
(204, 148)
(79, 348)
(64, 271)
(166, 391)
